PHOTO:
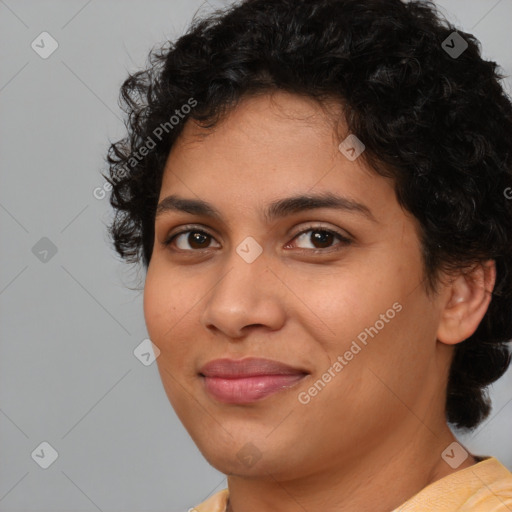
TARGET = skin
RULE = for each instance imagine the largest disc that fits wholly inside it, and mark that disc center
(374, 435)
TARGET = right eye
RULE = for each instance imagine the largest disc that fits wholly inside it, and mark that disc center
(197, 239)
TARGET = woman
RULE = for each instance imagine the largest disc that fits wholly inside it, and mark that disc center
(318, 193)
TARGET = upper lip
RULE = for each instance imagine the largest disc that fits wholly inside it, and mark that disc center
(248, 367)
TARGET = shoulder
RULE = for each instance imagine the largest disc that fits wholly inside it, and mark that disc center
(215, 503)
(495, 488)
(485, 486)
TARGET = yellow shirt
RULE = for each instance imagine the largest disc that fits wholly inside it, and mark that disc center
(483, 487)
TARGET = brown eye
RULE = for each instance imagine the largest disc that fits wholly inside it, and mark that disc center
(196, 240)
(321, 238)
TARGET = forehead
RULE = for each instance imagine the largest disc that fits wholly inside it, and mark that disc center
(263, 113)
(267, 148)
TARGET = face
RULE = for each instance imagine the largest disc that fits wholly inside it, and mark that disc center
(332, 296)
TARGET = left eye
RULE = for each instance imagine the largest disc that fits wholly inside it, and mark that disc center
(320, 238)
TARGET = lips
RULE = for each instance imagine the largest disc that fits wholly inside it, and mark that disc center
(242, 381)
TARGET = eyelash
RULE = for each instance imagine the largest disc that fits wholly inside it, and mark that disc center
(343, 239)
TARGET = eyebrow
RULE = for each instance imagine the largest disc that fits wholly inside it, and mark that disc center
(277, 209)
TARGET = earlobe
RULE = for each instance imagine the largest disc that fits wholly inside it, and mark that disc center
(467, 299)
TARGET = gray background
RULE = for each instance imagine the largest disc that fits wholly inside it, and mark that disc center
(69, 325)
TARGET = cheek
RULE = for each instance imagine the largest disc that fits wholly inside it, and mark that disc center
(373, 319)
(170, 313)
(166, 321)
(154, 307)
(161, 305)
(346, 303)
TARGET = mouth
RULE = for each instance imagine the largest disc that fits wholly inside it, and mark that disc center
(243, 381)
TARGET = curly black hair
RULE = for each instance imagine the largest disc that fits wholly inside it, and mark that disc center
(436, 122)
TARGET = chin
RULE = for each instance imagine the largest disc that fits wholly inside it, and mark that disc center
(248, 457)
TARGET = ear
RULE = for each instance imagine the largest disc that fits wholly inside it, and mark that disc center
(467, 298)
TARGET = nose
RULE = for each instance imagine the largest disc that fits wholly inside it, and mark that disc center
(247, 296)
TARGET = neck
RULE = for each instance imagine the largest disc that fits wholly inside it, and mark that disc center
(378, 482)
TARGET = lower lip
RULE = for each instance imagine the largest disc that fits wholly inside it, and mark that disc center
(249, 389)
